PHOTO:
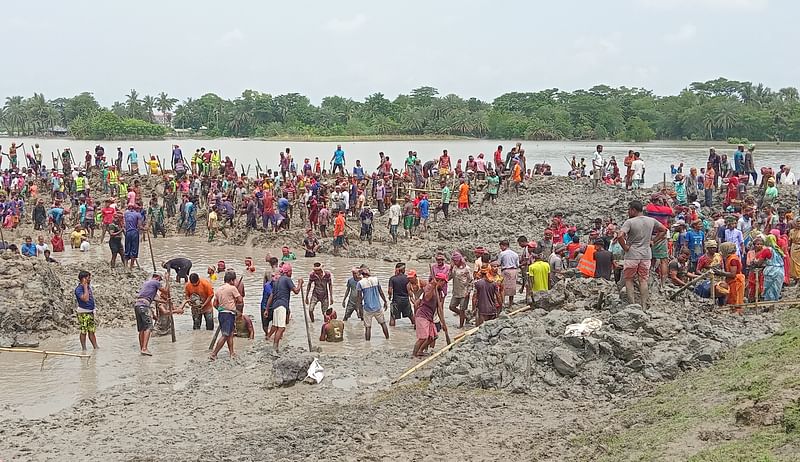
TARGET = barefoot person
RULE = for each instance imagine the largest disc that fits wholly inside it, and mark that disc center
(425, 307)
(398, 294)
(144, 323)
(226, 298)
(333, 329)
(635, 237)
(369, 291)
(84, 295)
(278, 303)
(320, 286)
(200, 294)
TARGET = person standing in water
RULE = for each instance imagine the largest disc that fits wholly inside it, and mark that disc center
(144, 323)
(226, 297)
(84, 295)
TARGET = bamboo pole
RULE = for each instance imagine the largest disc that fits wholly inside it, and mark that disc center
(688, 284)
(457, 339)
(761, 304)
(44, 352)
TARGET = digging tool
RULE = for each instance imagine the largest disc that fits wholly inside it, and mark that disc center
(305, 318)
(689, 284)
(214, 338)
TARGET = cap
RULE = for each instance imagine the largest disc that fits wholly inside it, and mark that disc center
(441, 277)
(696, 205)
(412, 273)
(532, 244)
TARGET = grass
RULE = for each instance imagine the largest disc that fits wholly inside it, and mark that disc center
(762, 372)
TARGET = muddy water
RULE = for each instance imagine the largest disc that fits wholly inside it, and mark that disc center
(31, 392)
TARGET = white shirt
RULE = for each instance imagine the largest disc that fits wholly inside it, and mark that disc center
(346, 199)
(638, 169)
(85, 246)
(788, 178)
(597, 161)
(394, 214)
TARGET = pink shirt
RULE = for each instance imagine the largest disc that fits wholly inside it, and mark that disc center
(131, 198)
(227, 296)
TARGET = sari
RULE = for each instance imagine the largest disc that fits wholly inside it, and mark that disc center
(733, 264)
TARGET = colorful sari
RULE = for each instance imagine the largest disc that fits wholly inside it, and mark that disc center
(733, 264)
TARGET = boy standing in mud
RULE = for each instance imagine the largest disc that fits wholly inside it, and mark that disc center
(84, 295)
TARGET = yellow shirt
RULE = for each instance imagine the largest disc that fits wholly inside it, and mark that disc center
(76, 237)
(539, 272)
(153, 166)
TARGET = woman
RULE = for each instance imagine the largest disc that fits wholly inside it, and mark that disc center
(732, 270)
(732, 194)
(783, 244)
(794, 243)
(756, 268)
(772, 257)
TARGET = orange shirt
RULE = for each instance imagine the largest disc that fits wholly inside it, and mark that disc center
(463, 193)
(338, 226)
(203, 289)
(517, 175)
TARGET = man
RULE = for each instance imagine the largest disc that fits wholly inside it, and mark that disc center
(227, 298)
(278, 303)
(398, 294)
(678, 269)
(426, 307)
(556, 262)
(338, 233)
(366, 217)
(141, 307)
(133, 223)
(694, 240)
(200, 294)
(133, 161)
(509, 267)
(604, 261)
(463, 279)
(539, 273)
(28, 249)
(635, 237)
(485, 300)
(181, 265)
(738, 160)
(788, 176)
(322, 283)
(424, 212)
(368, 292)
(395, 212)
(351, 296)
(638, 170)
(338, 160)
(597, 165)
(333, 329)
(734, 235)
(84, 295)
(115, 239)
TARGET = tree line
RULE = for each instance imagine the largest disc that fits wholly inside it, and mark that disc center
(715, 109)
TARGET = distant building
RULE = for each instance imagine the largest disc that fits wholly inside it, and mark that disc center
(163, 118)
(58, 131)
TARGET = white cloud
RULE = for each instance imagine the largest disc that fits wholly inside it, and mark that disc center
(346, 25)
(724, 4)
(684, 33)
(231, 37)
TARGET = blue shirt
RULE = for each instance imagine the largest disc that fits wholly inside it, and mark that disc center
(87, 306)
(132, 220)
(265, 295)
(282, 292)
(28, 250)
(133, 156)
(369, 288)
(424, 208)
(283, 204)
(338, 157)
(149, 289)
(695, 240)
(738, 161)
(358, 172)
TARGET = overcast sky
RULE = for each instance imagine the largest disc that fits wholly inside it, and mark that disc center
(479, 48)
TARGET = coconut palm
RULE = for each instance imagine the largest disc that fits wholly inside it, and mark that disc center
(16, 117)
(148, 105)
(164, 105)
(709, 122)
(133, 104)
(726, 117)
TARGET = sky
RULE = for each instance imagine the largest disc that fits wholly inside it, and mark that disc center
(480, 48)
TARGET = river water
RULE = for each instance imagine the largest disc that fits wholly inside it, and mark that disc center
(30, 392)
(658, 155)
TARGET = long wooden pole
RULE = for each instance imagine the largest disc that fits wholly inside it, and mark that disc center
(689, 284)
(305, 318)
(44, 352)
(457, 339)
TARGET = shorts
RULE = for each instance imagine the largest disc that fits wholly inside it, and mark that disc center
(425, 329)
(660, 250)
(314, 300)
(370, 315)
(444, 171)
(401, 308)
(227, 323)
(143, 320)
(279, 317)
(86, 323)
(460, 303)
(408, 222)
(135, 166)
(88, 224)
(116, 246)
(338, 241)
(633, 268)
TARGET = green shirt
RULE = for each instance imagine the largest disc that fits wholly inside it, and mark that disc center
(492, 184)
(289, 257)
(446, 193)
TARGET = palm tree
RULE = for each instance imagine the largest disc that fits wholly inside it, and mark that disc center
(148, 104)
(726, 117)
(709, 122)
(789, 94)
(119, 109)
(165, 105)
(16, 117)
(133, 104)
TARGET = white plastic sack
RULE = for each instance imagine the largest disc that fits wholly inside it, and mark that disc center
(316, 371)
(584, 329)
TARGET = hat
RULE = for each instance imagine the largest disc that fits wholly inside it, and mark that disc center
(696, 205)
(441, 276)
(412, 273)
(532, 244)
(711, 243)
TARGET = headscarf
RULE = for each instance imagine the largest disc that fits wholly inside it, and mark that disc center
(727, 248)
(733, 181)
(456, 257)
(772, 243)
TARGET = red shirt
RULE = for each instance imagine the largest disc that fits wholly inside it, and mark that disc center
(108, 215)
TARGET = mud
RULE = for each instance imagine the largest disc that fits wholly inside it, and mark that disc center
(633, 348)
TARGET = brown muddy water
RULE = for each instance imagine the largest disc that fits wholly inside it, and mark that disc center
(32, 392)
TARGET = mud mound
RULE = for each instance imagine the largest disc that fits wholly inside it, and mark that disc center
(33, 296)
(633, 347)
(38, 297)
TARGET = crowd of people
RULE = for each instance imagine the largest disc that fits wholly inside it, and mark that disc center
(718, 226)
